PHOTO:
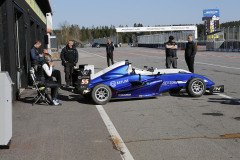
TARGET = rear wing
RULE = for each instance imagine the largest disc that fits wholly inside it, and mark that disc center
(82, 76)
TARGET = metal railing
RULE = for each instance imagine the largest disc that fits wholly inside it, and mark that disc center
(228, 40)
(164, 37)
(103, 41)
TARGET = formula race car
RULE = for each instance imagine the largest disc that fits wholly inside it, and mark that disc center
(121, 80)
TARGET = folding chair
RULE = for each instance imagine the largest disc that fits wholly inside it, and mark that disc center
(41, 90)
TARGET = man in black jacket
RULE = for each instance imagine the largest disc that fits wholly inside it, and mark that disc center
(69, 57)
(190, 53)
(171, 53)
(109, 50)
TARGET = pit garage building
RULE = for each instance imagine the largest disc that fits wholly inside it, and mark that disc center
(22, 22)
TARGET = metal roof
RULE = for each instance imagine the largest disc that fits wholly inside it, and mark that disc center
(45, 6)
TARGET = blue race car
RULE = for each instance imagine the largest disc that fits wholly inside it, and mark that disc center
(121, 80)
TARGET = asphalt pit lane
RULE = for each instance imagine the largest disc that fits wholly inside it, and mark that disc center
(197, 99)
(203, 106)
(213, 114)
(237, 118)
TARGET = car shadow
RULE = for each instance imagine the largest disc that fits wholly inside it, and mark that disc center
(184, 94)
(29, 100)
(131, 99)
(68, 89)
(76, 98)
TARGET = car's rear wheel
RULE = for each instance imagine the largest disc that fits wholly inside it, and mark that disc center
(196, 87)
(101, 94)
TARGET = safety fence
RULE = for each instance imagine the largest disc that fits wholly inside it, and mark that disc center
(103, 41)
(228, 40)
(158, 40)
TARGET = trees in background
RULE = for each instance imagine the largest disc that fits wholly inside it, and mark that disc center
(87, 35)
(82, 34)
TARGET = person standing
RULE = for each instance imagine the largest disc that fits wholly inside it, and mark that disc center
(171, 53)
(190, 53)
(109, 50)
(69, 57)
(35, 56)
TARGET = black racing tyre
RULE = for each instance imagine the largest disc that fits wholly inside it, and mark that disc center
(101, 94)
(196, 87)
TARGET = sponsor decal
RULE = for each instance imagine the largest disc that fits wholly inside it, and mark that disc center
(115, 83)
(166, 83)
(140, 96)
(84, 73)
(124, 95)
(217, 89)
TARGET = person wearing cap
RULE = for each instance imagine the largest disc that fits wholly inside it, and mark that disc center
(171, 53)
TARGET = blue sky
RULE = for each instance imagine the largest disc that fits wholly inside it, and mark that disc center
(90, 13)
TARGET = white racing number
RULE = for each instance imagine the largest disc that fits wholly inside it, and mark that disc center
(85, 81)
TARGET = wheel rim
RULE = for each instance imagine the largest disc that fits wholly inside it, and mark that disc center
(197, 87)
(102, 94)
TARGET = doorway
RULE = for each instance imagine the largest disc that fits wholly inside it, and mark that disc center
(20, 50)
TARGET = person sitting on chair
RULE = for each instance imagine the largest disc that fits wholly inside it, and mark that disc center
(55, 73)
(45, 73)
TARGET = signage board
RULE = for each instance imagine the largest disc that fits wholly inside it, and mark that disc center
(37, 10)
(211, 12)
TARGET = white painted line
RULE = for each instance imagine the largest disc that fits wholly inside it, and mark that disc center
(215, 65)
(93, 53)
(228, 97)
(96, 55)
(224, 96)
(125, 154)
(148, 56)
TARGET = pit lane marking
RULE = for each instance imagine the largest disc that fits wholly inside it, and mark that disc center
(93, 54)
(228, 97)
(215, 65)
(116, 138)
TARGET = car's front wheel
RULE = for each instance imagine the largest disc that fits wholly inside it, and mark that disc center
(101, 94)
(196, 87)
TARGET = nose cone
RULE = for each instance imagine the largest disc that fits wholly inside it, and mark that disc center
(208, 82)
